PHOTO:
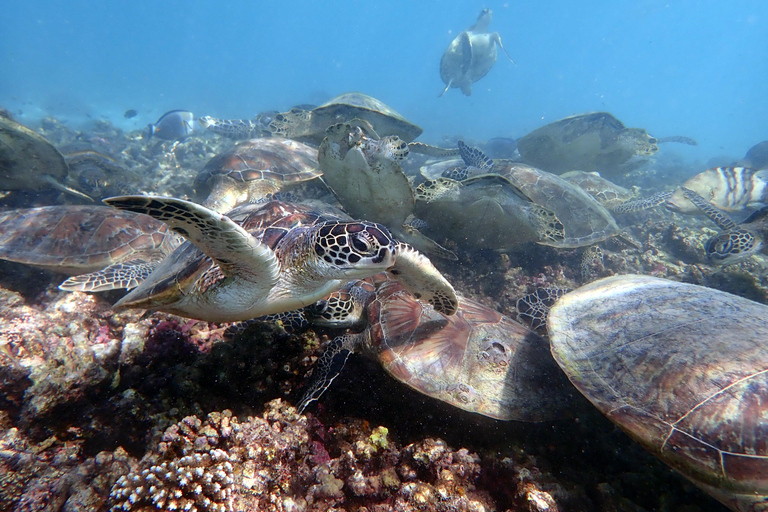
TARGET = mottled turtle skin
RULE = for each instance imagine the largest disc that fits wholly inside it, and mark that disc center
(268, 258)
(477, 360)
(595, 141)
(682, 369)
(367, 179)
(253, 170)
(310, 125)
(29, 162)
(471, 55)
(76, 240)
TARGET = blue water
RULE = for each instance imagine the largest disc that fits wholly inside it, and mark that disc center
(694, 68)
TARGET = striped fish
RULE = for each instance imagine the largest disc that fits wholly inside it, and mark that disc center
(727, 188)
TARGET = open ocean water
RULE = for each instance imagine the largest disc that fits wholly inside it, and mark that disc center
(693, 68)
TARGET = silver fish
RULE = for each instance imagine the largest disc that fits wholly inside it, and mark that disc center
(727, 188)
(174, 125)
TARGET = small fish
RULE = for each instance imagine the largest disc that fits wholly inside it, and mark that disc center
(174, 125)
(728, 188)
(130, 113)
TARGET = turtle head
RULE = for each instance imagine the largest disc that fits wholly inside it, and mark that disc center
(483, 20)
(732, 246)
(356, 249)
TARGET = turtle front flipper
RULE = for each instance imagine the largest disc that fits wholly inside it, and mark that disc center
(413, 236)
(422, 280)
(234, 250)
(645, 203)
(119, 276)
(231, 128)
(68, 190)
(496, 38)
(327, 368)
(717, 216)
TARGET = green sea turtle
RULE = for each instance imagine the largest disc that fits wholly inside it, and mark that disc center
(253, 170)
(584, 221)
(353, 107)
(103, 248)
(471, 55)
(367, 179)
(29, 162)
(96, 173)
(594, 141)
(269, 258)
(736, 242)
(477, 360)
(682, 369)
(606, 192)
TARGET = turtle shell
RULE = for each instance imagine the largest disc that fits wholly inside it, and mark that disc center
(25, 157)
(255, 168)
(594, 141)
(77, 240)
(682, 369)
(188, 269)
(311, 125)
(477, 360)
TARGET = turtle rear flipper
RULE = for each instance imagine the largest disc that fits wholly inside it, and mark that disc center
(233, 249)
(119, 276)
(422, 280)
(327, 368)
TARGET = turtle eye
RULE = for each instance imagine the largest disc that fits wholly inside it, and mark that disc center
(361, 243)
(652, 140)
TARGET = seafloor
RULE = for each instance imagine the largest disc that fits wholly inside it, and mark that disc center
(136, 412)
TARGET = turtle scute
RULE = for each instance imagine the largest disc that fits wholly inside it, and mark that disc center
(681, 368)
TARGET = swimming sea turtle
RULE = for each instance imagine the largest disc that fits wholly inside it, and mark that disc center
(680, 368)
(310, 125)
(477, 360)
(254, 169)
(105, 249)
(367, 179)
(594, 141)
(584, 221)
(269, 258)
(28, 161)
(471, 55)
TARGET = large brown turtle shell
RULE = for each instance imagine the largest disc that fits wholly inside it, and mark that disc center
(477, 360)
(682, 369)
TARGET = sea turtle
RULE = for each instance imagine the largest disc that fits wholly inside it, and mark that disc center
(594, 141)
(28, 161)
(96, 173)
(365, 175)
(105, 249)
(682, 369)
(254, 169)
(584, 221)
(471, 55)
(757, 156)
(477, 360)
(269, 258)
(736, 242)
(310, 125)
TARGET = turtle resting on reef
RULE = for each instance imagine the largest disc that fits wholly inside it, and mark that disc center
(269, 258)
(28, 161)
(102, 248)
(253, 170)
(477, 360)
(310, 125)
(680, 368)
(471, 55)
(595, 141)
